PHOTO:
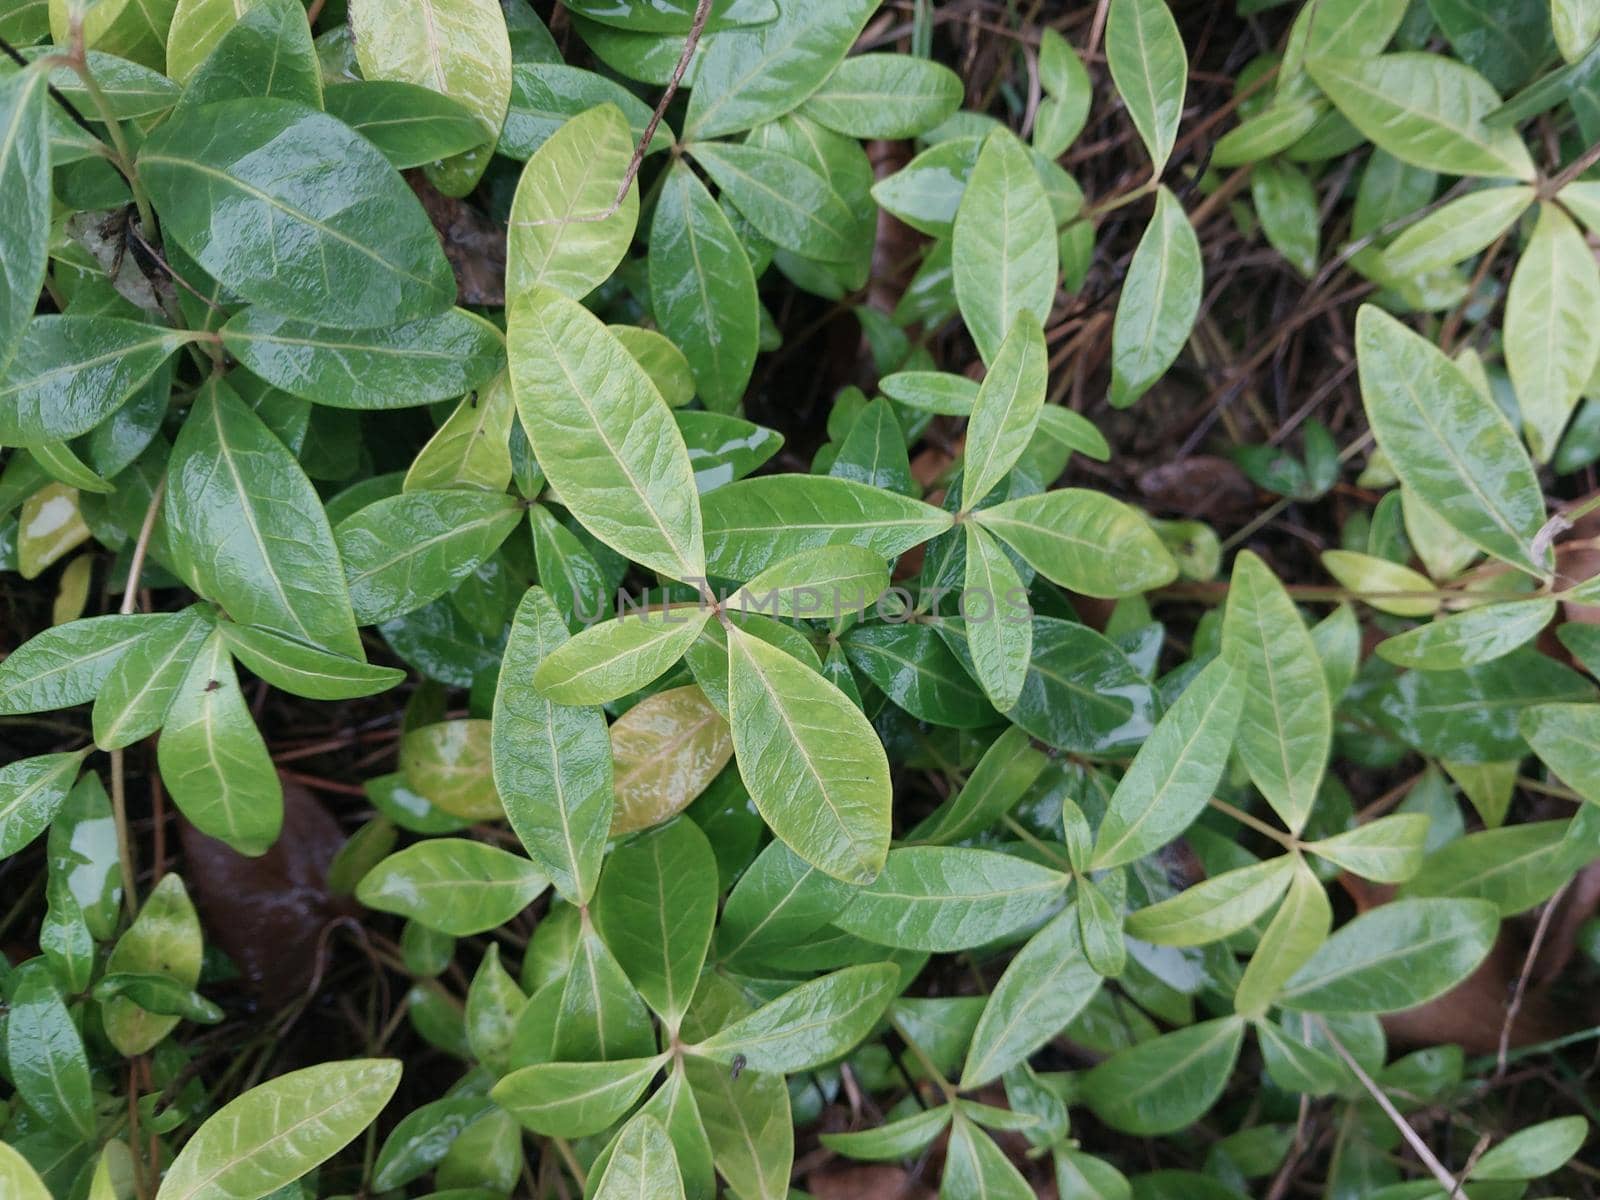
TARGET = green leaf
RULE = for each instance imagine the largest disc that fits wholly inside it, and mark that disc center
(552, 762)
(408, 550)
(977, 1169)
(165, 939)
(1513, 868)
(158, 994)
(1001, 641)
(1465, 639)
(919, 674)
(197, 26)
(564, 233)
(1003, 775)
(453, 885)
(248, 528)
(599, 1015)
(1272, 130)
(1214, 908)
(905, 1137)
(616, 657)
(778, 902)
(931, 391)
(1084, 540)
(448, 762)
(45, 1056)
(813, 765)
(1287, 206)
(1301, 925)
(809, 1025)
(782, 197)
(759, 72)
(1163, 1084)
(68, 664)
(874, 451)
(1044, 987)
(1448, 442)
(355, 256)
(71, 373)
(1424, 109)
(1457, 230)
(1082, 694)
(433, 358)
(1566, 737)
(754, 523)
(1536, 1151)
(885, 96)
(748, 1124)
(279, 1130)
(1150, 67)
(264, 51)
(1286, 724)
(18, 1177)
(1004, 253)
(422, 1138)
(132, 700)
(702, 288)
(603, 435)
(643, 1163)
(461, 49)
(1006, 410)
(25, 181)
(544, 96)
(472, 448)
(1160, 298)
(1395, 957)
(1549, 350)
(1175, 771)
(305, 670)
(572, 1100)
(665, 751)
(823, 583)
(213, 759)
(655, 908)
(410, 125)
(1387, 850)
(926, 192)
(947, 898)
(1100, 926)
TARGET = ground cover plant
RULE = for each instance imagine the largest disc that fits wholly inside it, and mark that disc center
(664, 598)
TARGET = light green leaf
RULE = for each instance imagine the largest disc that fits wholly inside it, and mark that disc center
(1270, 131)
(947, 898)
(165, 939)
(406, 551)
(1448, 442)
(1456, 230)
(813, 764)
(448, 763)
(1465, 639)
(453, 885)
(197, 26)
(976, 1169)
(18, 1177)
(1425, 109)
(248, 528)
(885, 96)
(305, 670)
(1395, 957)
(564, 233)
(1004, 252)
(643, 1163)
(782, 197)
(1513, 868)
(1006, 410)
(1549, 344)
(754, 523)
(68, 664)
(552, 762)
(1084, 540)
(1150, 67)
(616, 657)
(574, 1100)
(213, 759)
(1161, 1085)
(1566, 737)
(25, 182)
(1388, 850)
(1044, 987)
(702, 288)
(355, 256)
(603, 435)
(665, 751)
(1287, 206)
(472, 448)
(1175, 770)
(1286, 724)
(1215, 908)
(1160, 298)
(1001, 639)
(279, 1130)
(418, 362)
(1536, 1151)
(749, 1126)
(808, 1025)
(897, 1139)
(822, 583)
(1301, 925)
(1387, 586)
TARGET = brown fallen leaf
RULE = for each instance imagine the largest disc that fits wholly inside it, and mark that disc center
(866, 1183)
(1203, 487)
(474, 244)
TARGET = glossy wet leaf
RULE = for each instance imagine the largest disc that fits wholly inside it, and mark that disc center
(885, 96)
(1425, 109)
(1001, 641)
(702, 288)
(1549, 347)
(434, 358)
(448, 763)
(265, 50)
(1161, 1085)
(134, 695)
(248, 529)
(977, 1169)
(603, 436)
(25, 180)
(552, 762)
(1466, 639)
(1006, 410)
(304, 670)
(575, 1099)
(164, 939)
(1395, 957)
(1082, 693)
(279, 1130)
(779, 901)
(643, 1163)
(914, 669)
(411, 125)
(1513, 868)
(544, 96)
(946, 898)
(782, 197)
(1150, 68)
(19, 1178)
(67, 664)
(809, 1025)
(566, 232)
(811, 761)
(1004, 251)
(1214, 908)
(353, 257)
(609, 660)
(45, 1054)
(1160, 298)
(665, 751)
(1300, 925)
(454, 885)
(1387, 850)
(1286, 723)
(1083, 540)
(472, 447)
